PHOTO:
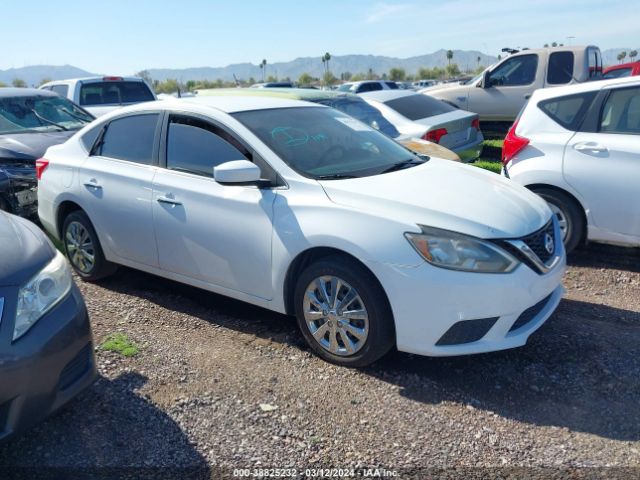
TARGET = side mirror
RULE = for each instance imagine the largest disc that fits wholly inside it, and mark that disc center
(237, 172)
(486, 80)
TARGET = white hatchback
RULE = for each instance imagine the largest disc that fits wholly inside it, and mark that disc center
(579, 148)
(304, 210)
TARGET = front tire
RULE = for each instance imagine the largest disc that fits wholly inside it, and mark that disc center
(343, 312)
(83, 249)
(568, 214)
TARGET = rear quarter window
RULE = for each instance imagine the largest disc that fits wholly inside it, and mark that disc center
(568, 111)
(560, 68)
(416, 107)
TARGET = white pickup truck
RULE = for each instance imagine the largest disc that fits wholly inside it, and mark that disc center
(500, 92)
(100, 95)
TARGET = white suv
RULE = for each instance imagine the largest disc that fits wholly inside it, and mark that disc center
(579, 148)
(367, 86)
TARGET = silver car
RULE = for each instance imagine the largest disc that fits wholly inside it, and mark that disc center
(419, 116)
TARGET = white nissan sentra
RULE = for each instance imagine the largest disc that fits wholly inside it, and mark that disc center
(304, 210)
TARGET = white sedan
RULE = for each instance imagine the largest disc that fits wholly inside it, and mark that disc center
(579, 148)
(420, 116)
(301, 209)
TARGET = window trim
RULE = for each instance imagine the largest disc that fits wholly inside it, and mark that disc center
(156, 138)
(268, 172)
(508, 59)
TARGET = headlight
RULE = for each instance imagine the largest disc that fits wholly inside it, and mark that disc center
(455, 251)
(42, 293)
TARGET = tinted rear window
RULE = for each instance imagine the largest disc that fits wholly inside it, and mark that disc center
(114, 93)
(130, 138)
(560, 68)
(416, 107)
(568, 111)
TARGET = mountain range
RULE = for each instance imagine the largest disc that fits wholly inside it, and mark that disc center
(466, 60)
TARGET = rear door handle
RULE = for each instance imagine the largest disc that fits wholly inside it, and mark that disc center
(93, 183)
(589, 147)
(169, 200)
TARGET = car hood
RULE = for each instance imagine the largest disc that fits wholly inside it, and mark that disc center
(446, 195)
(24, 250)
(30, 146)
(442, 86)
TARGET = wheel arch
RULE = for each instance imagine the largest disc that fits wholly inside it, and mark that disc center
(63, 210)
(572, 197)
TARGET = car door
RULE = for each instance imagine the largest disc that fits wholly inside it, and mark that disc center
(218, 234)
(115, 182)
(603, 165)
(507, 88)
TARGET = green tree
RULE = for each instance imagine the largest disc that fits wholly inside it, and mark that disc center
(263, 67)
(19, 83)
(371, 75)
(546, 45)
(358, 77)
(633, 54)
(43, 81)
(305, 79)
(271, 78)
(397, 74)
(453, 70)
(554, 44)
(621, 56)
(191, 85)
(328, 79)
(449, 56)
(325, 61)
(3, 85)
(144, 74)
(346, 76)
(170, 85)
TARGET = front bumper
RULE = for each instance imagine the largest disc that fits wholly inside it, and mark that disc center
(45, 368)
(440, 312)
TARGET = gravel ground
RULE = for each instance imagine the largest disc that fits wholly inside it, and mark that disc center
(190, 401)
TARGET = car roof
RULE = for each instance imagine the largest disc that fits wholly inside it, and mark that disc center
(590, 86)
(7, 92)
(306, 94)
(621, 65)
(230, 104)
(386, 95)
(99, 78)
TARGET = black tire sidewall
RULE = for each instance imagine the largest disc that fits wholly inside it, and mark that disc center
(575, 221)
(101, 267)
(381, 337)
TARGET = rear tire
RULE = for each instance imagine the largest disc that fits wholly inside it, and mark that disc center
(83, 249)
(353, 324)
(569, 215)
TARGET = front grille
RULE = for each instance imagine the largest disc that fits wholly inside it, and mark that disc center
(76, 368)
(537, 242)
(529, 314)
(467, 331)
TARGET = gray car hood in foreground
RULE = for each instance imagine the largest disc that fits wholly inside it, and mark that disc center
(24, 250)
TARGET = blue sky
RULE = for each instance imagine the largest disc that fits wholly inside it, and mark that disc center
(122, 37)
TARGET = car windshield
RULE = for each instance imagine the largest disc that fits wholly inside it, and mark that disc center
(36, 113)
(324, 143)
(345, 87)
(364, 112)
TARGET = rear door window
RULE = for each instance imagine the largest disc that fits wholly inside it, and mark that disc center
(114, 93)
(568, 111)
(621, 112)
(130, 138)
(416, 107)
(195, 146)
(560, 68)
(515, 71)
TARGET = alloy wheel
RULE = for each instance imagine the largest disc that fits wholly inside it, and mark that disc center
(80, 249)
(563, 223)
(336, 315)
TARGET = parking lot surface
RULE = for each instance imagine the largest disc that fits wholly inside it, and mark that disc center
(221, 384)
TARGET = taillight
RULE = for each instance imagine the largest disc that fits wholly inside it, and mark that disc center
(435, 135)
(513, 144)
(475, 123)
(41, 166)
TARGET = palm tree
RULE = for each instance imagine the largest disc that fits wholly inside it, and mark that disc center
(633, 54)
(325, 59)
(479, 59)
(263, 67)
(449, 56)
(621, 56)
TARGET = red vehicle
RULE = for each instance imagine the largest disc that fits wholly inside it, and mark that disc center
(623, 70)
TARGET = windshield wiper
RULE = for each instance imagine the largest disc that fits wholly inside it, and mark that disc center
(77, 117)
(50, 122)
(335, 176)
(411, 162)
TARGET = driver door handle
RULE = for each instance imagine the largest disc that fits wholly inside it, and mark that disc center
(169, 200)
(92, 183)
(589, 147)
